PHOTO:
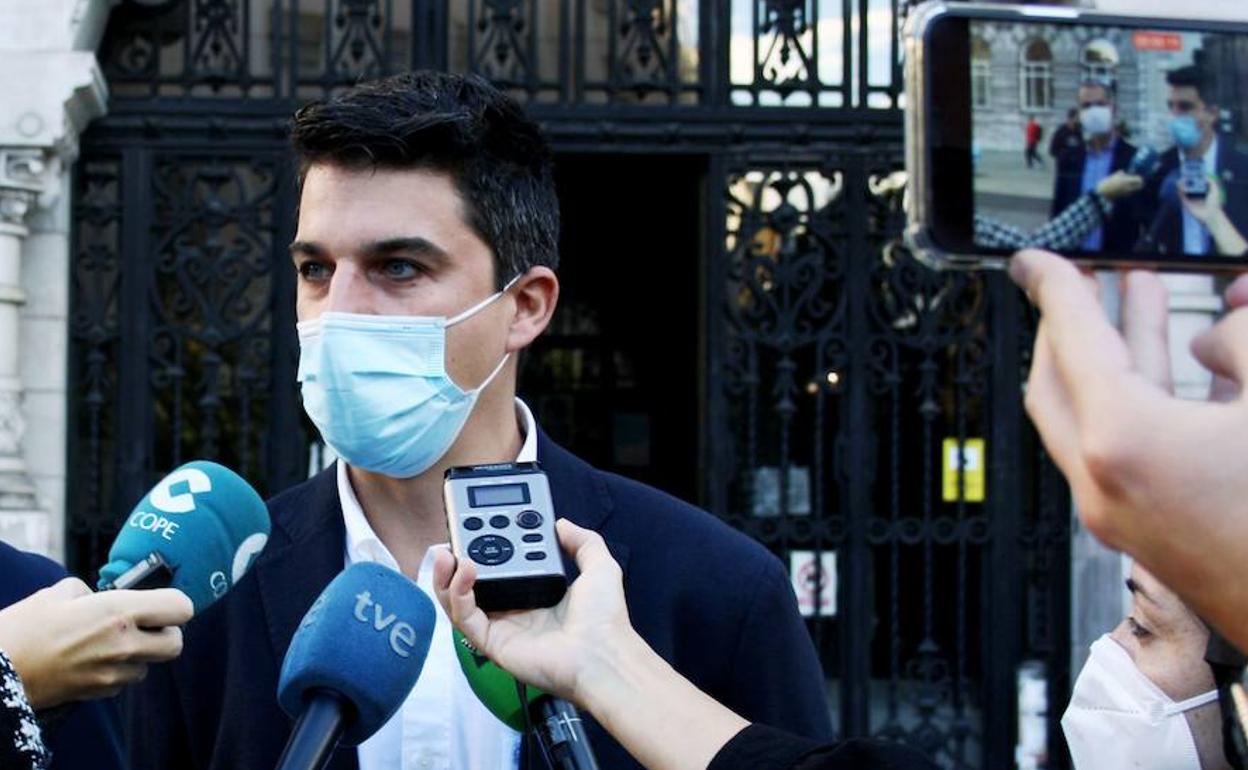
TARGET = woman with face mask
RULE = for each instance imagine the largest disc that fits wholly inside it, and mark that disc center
(1146, 698)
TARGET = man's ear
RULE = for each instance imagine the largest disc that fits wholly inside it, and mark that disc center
(536, 294)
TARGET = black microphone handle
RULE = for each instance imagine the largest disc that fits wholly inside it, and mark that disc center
(316, 732)
(562, 734)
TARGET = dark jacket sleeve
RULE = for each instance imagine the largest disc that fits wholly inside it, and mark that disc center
(155, 730)
(777, 677)
(78, 735)
(759, 747)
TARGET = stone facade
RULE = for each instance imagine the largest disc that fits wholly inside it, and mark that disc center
(1140, 81)
(52, 88)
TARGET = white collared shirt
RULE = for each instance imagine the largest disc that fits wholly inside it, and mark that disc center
(441, 725)
(1196, 238)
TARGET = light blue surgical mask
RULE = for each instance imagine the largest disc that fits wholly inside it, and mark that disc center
(1185, 131)
(376, 387)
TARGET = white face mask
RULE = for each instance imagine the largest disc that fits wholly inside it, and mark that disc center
(1096, 120)
(1119, 719)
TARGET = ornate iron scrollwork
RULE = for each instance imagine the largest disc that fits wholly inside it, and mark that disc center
(501, 52)
(94, 328)
(358, 48)
(211, 302)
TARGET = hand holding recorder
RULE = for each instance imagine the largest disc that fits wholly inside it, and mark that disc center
(585, 650)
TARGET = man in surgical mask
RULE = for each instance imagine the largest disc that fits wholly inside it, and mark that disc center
(1082, 167)
(424, 262)
(1146, 698)
(1214, 220)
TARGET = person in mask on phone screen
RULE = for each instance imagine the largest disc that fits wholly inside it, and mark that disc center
(1203, 206)
(1081, 168)
(1146, 698)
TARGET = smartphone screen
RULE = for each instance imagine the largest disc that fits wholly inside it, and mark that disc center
(1106, 141)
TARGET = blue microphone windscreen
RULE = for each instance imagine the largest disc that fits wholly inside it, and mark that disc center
(207, 523)
(365, 638)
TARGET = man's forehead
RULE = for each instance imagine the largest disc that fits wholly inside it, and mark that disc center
(1185, 92)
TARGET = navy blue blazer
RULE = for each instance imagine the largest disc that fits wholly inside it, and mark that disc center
(1166, 232)
(1124, 226)
(83, 735)
(710, 600)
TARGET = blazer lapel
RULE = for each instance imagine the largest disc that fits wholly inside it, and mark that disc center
(580, 496)
(310, 553)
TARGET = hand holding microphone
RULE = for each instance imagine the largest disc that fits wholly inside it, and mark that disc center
(584, 649)
(67, 643)
(552, 649)
(189, 539)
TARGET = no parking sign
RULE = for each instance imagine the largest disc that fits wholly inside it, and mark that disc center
(814, 577)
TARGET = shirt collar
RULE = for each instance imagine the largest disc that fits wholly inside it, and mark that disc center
(363, 543)
(1210, 158)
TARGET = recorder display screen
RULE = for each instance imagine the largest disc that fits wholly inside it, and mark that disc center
(1109, 140)
(498, 494)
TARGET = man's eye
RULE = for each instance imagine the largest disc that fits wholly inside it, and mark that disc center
(400, 269)
(1138, 631)
(313, 271)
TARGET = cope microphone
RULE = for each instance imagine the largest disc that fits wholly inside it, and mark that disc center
(352, 662)
(556, 722)
(198, 530)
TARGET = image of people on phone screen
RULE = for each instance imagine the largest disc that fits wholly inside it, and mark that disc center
(1150, 141)
(1204, 194)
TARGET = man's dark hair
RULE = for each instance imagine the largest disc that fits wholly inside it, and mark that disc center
(1194, 77)
(458, 125)
(1072, 113)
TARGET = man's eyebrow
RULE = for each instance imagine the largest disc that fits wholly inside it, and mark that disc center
(385, 247)
(1138, 590)
(306, 247)
(413, 244)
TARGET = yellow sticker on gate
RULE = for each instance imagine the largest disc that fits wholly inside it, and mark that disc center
(969, 462)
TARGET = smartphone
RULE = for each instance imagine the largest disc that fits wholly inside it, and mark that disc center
(1192, 179)
(1150, 97)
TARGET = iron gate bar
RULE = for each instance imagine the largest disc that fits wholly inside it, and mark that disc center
(1002, 642)
(134, 408)
(857, 448)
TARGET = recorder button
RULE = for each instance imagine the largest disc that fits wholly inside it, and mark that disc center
(499, 521)
(472, 524)
(535, 555)
(490, 550)
(529, 519)
(532, 537)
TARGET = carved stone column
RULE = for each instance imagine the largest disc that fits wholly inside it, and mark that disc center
(52, 87)
(21, 521)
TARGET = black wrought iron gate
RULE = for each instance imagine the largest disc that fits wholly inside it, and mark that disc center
(840, 382)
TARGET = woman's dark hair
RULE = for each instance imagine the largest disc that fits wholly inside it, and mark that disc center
(458, 125)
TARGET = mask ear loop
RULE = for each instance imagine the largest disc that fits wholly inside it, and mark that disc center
(481, 305)
(1191, 703)
(475, 308)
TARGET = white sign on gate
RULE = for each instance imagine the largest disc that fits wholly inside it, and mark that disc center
(811, 577)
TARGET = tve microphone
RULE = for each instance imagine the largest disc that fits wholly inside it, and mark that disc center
(198, 530)
(352, 662)
(556, 722)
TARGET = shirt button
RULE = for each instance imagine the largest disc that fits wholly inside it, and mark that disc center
(426, 761)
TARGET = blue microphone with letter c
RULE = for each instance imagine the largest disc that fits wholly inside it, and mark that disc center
(352, 662)
(198, 530)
